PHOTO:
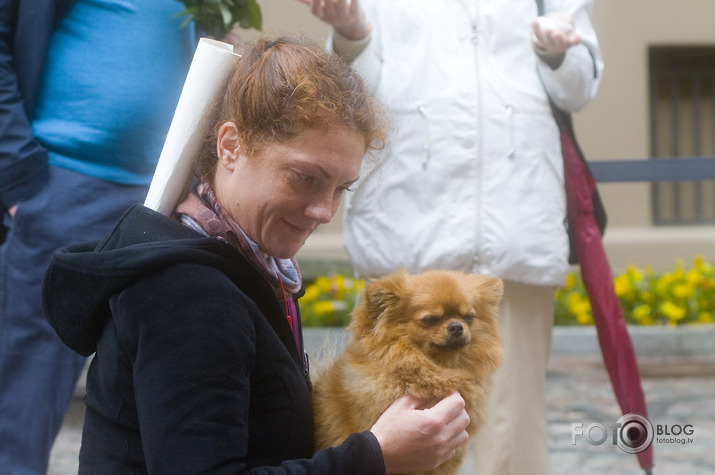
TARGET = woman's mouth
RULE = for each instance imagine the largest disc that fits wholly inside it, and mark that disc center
(302, 230)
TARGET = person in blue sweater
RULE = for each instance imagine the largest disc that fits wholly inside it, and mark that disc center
(87, 92)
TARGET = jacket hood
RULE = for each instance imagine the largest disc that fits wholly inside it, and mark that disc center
(80, 279)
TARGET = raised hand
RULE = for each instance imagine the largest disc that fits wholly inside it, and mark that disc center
(345, 16)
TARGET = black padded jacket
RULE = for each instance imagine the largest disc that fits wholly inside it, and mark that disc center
(196, 369)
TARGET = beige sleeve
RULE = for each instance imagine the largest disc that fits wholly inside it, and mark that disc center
(349, 49)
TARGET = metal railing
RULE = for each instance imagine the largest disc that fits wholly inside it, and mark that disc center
(697, 171)
(654, 170)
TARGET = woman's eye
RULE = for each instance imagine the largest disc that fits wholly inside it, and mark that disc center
(304, 178)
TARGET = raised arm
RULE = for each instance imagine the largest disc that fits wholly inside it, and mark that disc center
(345, 16)
(571, 66)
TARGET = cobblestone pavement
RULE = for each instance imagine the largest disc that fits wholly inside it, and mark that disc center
(679, 392)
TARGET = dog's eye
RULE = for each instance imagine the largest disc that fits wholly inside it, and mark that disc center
(469, 317)
(429, 321)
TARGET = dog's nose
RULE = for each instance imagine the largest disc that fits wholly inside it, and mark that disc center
(455, 329)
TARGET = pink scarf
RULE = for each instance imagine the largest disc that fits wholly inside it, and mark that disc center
(201, 211)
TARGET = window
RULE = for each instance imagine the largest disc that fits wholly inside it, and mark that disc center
(682, 82)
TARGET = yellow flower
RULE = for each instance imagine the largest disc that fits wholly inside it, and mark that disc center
(682, 291)
(693, 278)
(323, 307)
(623, 285)
(672, 311)
(570, 281)
(663, 283)
(584, 318)
(706, 317)
(646, 321)
(634, 274)
(642, 312)
(578, 304)
(339, 287)
(323, 283)
(702, 266)
(646, 296)
(312, 292)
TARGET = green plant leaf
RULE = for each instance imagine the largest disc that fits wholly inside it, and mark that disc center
(253, 14)
(226, 17)
(218, 17)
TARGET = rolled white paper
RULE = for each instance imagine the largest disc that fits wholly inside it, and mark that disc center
(211, 66)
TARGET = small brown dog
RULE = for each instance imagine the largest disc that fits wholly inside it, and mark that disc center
(424, 335)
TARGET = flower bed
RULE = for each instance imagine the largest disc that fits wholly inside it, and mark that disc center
(674, 298)
(328, 300)
(677, 297)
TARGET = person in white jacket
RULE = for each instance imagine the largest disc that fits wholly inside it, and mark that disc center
(472, 179)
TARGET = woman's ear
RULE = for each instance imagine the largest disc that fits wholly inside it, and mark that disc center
(228, 145)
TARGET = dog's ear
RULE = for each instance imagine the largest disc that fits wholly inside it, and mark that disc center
(487, 292)
(380, 295)
(385, 292)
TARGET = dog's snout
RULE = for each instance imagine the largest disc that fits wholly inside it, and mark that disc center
(455, 329)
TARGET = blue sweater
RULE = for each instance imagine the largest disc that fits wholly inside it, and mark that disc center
(26, 27)
(111, 82)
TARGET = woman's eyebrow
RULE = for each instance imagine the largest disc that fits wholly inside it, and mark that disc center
(322, 170)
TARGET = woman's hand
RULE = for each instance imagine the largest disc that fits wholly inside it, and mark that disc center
(12, 210)
(552, 35)
(414, 439)
(345, 16)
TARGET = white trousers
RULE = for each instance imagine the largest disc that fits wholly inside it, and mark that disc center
(514, 439)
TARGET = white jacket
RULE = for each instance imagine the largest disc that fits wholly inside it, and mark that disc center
(472, 177)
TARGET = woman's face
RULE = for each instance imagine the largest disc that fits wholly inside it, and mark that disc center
(281, 195)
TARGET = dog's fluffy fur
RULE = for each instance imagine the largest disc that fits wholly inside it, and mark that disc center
(425, 335)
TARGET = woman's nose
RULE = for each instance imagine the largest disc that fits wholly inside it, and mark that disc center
(321, 210)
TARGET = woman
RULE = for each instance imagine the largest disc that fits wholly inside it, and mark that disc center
(199, 366)
(473, 179)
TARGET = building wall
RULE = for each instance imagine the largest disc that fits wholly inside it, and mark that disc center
(614, 126)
